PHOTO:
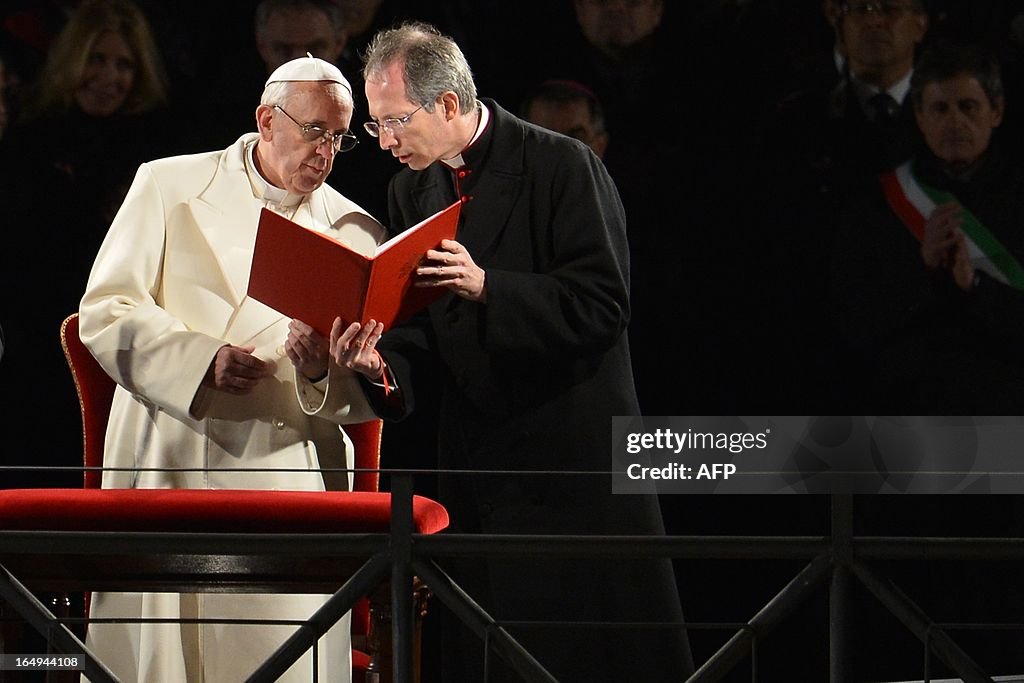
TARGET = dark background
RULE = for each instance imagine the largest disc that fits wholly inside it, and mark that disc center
(720, 324)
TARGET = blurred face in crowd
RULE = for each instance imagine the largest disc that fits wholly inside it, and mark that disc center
(285, 159)
(359, 14)
(292, 33)
(957, 118)
(415, 136)
(879, 37)
(570, 118)
(830, 10)
(108, 77)
(611, 25)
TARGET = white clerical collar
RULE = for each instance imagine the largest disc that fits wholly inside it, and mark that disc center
(273, 197)
(457, 160)
(898, 91)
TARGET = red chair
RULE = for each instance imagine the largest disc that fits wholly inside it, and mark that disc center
(363, 510)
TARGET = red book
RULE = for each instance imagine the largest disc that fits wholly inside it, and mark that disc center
(314, 278)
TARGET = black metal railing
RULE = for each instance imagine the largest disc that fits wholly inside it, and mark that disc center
(833, 562)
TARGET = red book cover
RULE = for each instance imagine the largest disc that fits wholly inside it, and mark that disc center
(312, 277)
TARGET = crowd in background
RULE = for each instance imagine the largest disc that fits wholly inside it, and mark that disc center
(695, 98)
(716, 118)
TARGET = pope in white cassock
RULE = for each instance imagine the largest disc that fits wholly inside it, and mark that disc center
(205, 381)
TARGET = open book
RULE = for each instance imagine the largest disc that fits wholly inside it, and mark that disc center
(314, 278)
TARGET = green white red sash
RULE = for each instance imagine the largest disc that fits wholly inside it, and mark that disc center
(913, 201)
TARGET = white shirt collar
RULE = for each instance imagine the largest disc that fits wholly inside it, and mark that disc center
(898, 91)
(457, 160)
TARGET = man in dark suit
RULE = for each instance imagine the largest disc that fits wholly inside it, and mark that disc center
(816, 148)
(531, 356)
(879, 40)
(927, 293)
(931, 326)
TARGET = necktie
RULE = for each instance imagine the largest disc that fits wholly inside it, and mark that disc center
(883, 108)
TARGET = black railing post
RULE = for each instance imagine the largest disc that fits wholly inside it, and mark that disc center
(839, 602)
(401, 578)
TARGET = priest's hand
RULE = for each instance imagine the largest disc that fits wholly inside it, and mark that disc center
(354, 347)
(451, 266)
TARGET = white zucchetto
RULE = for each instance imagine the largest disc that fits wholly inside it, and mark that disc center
(308, 68)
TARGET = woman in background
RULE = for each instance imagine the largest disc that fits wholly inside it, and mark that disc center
(94, 113)
(91, 117)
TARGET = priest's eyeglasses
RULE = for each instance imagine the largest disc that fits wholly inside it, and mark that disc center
(885, 9)
(389, 125)
(311, 132)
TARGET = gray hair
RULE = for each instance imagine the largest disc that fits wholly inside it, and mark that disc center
(432, 64)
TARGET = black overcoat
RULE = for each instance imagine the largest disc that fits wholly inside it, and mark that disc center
(530, 381)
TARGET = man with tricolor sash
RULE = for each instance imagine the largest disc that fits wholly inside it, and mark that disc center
(927, 296)
(928, 288)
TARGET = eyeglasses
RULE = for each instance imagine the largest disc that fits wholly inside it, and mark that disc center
(389, 125)
(888, 9)
(311, 132)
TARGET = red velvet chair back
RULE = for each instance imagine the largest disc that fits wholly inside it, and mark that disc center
(95, 392)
